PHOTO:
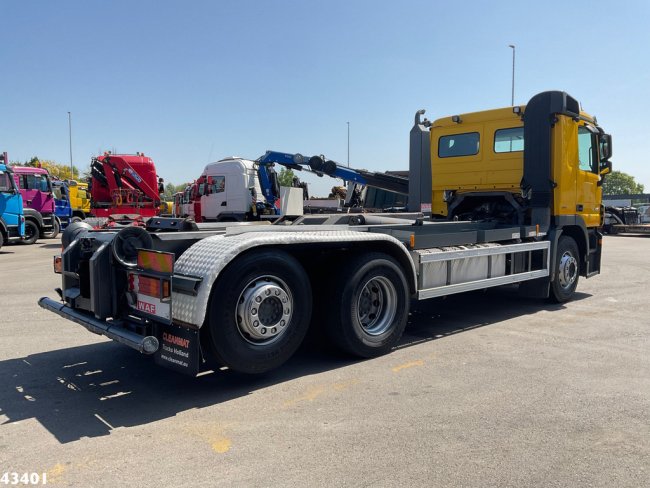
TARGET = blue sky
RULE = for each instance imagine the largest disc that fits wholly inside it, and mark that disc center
(188, 82)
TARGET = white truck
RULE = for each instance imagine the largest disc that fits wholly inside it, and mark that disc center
(519, 188)
(230, 191)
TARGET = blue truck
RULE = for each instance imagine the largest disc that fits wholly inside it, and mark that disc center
(12, 220)
(62, 207)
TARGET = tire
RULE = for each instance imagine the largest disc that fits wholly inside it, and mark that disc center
(32, 232)
(567, 270)
(76, 219)
(56, 228)
(373, 306)
(236, 329)
(2, 239)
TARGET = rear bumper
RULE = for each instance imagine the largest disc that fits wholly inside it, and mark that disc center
(115, 331)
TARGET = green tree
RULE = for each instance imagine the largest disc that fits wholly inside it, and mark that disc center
(56, 170)
(170, 189)
(619, 183)
(286, 177)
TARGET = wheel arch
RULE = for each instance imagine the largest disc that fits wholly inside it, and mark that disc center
(34, 216)
(579, 235)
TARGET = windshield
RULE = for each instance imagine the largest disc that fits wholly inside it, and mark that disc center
(38, 182)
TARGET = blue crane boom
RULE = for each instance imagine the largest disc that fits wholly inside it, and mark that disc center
(322, 166)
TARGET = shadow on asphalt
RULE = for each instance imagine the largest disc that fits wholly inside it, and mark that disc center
(50, 245)
(88, 390)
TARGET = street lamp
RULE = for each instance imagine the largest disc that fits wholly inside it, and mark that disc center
(512, 102)
(348, 144)
(70, 136)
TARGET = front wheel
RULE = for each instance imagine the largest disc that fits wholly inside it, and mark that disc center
(259, 311)
(567, 270)
(32, 232)
(56, 228)
(373, 299)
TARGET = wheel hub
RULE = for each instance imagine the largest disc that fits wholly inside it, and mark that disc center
(568, 271)
(376, 305)
(263, 310)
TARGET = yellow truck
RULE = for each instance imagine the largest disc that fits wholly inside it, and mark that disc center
(516, 199)
(79, 199)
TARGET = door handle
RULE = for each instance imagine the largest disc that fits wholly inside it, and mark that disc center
(579, 207)
(224, 204)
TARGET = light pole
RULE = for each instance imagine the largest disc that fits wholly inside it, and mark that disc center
(348, 144)
(70, 137)
(512, 101)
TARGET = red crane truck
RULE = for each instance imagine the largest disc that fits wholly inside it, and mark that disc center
(124, 184)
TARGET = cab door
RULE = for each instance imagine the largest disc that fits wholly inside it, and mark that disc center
(588, 193)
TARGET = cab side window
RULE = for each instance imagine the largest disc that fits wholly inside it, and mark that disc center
(458, 145)
(509, 140)
(5, 182)
(219, 184)
(34, 182)
(586, 150)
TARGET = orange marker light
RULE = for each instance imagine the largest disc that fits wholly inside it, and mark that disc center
(162, 262)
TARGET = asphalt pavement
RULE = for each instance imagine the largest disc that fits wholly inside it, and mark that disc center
(486, 389)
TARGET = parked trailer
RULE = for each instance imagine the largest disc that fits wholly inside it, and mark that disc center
(245, 297)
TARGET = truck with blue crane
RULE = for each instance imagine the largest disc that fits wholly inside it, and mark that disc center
(516, 194)
(237, 189)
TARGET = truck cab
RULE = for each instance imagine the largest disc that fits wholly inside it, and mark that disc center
(124, 184)
(35, 186)
(12, 220)
(79, 199)
(188, 200)
(232, 190)
(483, 153)
(62, 206)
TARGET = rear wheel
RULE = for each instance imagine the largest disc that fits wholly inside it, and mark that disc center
(567, 270)
(32, 232)
(75, 219)
(56, 228)
(373, 305)
(259, 312)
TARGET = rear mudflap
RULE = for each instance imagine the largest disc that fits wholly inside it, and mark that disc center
(180, 349)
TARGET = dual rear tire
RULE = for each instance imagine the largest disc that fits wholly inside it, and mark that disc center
(261, 308)
(368, 307)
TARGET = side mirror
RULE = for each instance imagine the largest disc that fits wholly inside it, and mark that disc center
(605, 168)
(605, 147)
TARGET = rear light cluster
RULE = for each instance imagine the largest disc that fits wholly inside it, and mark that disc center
(147, 285)
(58, 264)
